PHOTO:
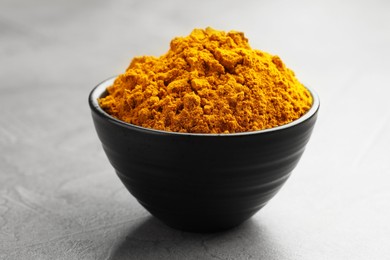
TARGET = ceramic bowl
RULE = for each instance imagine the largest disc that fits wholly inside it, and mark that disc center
(201, 182)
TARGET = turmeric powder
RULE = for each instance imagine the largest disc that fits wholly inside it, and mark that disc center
(208, 82)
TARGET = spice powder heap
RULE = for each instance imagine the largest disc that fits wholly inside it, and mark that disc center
(208, 82)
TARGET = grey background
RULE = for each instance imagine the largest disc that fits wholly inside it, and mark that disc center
(60, 198)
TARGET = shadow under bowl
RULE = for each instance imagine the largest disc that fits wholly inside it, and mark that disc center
(201, 182)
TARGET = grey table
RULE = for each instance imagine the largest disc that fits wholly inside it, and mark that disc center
(60, 198)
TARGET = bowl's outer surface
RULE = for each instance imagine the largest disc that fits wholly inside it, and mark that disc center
(201, 182)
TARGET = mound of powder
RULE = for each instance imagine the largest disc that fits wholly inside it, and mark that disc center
(208, 82)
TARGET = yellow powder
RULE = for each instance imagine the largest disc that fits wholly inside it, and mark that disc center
(208, 82)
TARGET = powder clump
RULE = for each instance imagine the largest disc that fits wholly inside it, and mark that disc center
(208, 82)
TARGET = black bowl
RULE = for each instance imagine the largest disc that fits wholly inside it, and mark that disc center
(201, 182)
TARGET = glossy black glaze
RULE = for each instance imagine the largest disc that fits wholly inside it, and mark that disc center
(201, 182)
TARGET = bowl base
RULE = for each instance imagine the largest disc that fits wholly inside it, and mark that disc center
(204, 223)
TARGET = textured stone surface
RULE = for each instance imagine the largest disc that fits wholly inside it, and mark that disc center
(59, 197)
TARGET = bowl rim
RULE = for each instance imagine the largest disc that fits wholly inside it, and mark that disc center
(100, 89)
